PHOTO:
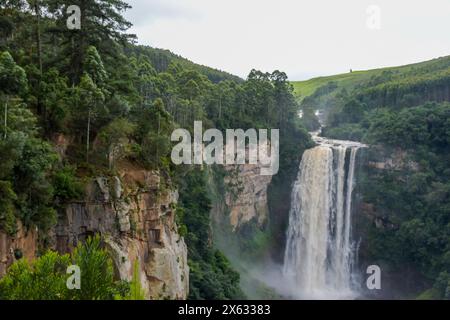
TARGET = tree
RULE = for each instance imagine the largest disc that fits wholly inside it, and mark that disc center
(36, 7)
(6, 28)
(12, 81)
(45, 278)
(153, 133)
(102, 26)
(211, 275)
(136, 291)
(93, 66)
(115, 139)
(7, 208)
(146, 75)
(33, 186)
(89, 96)
(97, 276)
(56, 97)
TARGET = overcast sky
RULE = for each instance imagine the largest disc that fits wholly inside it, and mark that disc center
(304, 38)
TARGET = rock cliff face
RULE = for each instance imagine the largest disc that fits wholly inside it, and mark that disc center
(396, 160)
(136, 217)
(246, 197)
(380, 222)
(21, 245)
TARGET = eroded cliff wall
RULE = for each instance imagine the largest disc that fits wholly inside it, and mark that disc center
(22, 245)
(135, 215)
(246, 196)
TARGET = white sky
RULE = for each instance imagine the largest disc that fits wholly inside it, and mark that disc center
(304, 38)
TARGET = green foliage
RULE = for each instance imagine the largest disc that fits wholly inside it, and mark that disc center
(89, 94)
(414, 199)
(12, 77)
(136, 291)
(430, 294)
(12, 82)
(103, 27)
(6, 27)
(7, 208)
(442, 285)
(31, 178)
(196, 205)
(161, 59)
(401, 112)
(26, 162)
(348, 131)
(93, 66)
(114, 140)
(211, 275)
(154, 128)
(56, 99)
(96, 271)
(372, 78)
(90, 98)
(213, 279)
(113, 102)
(254, 241)
(45, 278)
(21, 119)
(66, 184)
(309, 119)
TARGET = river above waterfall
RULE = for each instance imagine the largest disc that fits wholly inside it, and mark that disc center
(320, 252)
(323, 141)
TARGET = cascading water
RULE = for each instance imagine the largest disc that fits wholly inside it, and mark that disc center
(319, 251)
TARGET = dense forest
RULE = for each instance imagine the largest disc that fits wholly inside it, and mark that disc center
(116, 103)
(403, 113)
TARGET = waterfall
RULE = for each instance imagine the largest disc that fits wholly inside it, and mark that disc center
(319, 250)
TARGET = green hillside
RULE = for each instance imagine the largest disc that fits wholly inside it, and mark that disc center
(349, 80)
(306, 88)
(162, 58)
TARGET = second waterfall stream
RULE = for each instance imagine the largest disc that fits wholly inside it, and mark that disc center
(319, 253)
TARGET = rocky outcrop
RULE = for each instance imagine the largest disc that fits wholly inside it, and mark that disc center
(23, 245)
(380, 222)
(61, 143)
(136, 219)
(398, 159)
(246, 196)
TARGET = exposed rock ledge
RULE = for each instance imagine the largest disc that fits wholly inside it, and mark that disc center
(381, 222)
(136, 218)
(246, 197)
(23, 244)
(397, 160)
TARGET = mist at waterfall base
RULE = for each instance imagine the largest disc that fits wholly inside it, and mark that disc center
(320, 254)
(319, 258)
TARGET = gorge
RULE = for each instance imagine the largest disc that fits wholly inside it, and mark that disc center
(87, 171)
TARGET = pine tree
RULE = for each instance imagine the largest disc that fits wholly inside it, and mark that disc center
(102, 26)
(93, 66)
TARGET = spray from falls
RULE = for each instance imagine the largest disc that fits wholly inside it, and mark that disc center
(319, 252)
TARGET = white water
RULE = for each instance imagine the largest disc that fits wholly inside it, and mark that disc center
(319, 250)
